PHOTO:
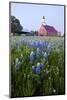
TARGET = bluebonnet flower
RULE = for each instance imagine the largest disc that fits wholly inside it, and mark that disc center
(17, 63)
(31, 56)
(40, 44)
(28, 43)
(22, 41)
(17, 46)
(36, 44)
(38, 68)
(42, 52)
(44, 55)
(33, 44)
(37, 53)
(46, 44)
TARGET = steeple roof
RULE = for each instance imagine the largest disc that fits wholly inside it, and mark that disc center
(43, 17)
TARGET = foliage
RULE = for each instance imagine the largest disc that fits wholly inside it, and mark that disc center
(36, 33)
(15, 25)
(36, 68)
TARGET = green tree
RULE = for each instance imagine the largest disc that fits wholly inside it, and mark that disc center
(15, 25)
(36, 33)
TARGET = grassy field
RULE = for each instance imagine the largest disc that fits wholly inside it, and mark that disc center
(37, 66)
(43, 38)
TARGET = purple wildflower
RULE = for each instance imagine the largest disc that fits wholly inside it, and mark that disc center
(17, 46)
(40, 44)
(31, 56)
(33, 44)
(22, 41)
(17, 63)
(46, 44)
(37, 53)
(44, 55)
(36, 44)
(38, 68)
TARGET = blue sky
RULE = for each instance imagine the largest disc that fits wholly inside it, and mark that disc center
(30, 15)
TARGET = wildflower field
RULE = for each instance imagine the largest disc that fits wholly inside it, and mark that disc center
(37, 66)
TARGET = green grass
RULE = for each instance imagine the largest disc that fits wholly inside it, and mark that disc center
(25, 82)
(43, 38)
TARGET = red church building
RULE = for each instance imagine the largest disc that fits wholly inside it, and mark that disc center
(46, 30)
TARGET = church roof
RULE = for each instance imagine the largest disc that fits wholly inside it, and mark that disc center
(50, 29)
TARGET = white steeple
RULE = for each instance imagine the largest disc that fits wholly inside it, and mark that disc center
(43, 21)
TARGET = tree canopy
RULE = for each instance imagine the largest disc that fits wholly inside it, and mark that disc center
(15, 25)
